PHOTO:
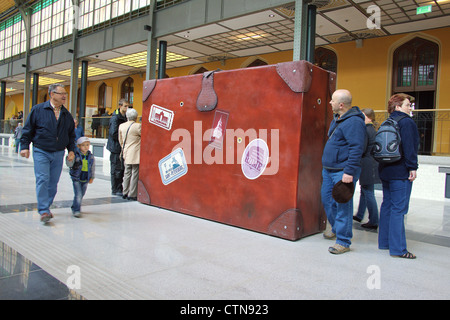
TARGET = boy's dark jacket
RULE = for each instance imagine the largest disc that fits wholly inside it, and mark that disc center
(76, 164)
(346, 142)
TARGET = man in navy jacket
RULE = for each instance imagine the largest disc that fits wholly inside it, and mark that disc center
(341, 161)
(50, 127)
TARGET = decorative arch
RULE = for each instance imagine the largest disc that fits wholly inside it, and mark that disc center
(398, 44)
(415, 70)
(326, 59)
(198, 70)
(127, 90)
(254, 62)
(101, 95)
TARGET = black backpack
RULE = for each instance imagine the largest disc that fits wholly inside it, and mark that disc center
(386, 148)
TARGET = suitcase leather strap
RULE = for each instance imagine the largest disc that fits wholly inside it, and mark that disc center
(149, 85)
(207, 98)
(296, 74)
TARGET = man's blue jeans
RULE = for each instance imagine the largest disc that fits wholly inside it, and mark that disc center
(391, 230)
(47, 170)
(340, 215)
(79, 189)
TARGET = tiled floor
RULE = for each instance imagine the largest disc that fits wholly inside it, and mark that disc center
(127, 250)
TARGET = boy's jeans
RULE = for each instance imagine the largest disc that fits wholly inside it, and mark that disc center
(47, 169)
(79, 189)
(340, 215)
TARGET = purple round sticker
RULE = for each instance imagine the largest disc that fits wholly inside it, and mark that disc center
(255, 159)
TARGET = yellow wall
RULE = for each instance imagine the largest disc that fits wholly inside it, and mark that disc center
(365, 71)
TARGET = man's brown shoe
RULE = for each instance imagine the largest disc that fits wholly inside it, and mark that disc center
(45, 217)
(329, 235)
(338, 249)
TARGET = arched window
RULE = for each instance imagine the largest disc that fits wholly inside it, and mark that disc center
(415, 66)
(127, 90)
(326, 59)
(101, 95)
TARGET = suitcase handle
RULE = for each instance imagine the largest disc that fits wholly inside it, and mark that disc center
(207, 98)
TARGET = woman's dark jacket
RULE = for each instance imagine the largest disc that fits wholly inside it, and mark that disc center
(409, 144)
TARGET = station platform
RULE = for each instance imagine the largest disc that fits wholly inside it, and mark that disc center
(126, 250)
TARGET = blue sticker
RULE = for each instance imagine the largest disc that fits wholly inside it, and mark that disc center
(173, 166)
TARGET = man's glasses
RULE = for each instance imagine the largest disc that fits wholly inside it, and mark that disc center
(61, 93)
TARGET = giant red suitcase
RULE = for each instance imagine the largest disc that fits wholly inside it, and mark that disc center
(240, 147)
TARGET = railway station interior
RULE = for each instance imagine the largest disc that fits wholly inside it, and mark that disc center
(106, 50)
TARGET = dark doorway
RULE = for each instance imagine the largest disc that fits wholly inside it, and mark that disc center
(424, 100)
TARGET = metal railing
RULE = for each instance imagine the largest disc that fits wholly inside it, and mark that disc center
(433, 126)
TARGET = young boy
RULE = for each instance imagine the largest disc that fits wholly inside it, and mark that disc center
(82, 172)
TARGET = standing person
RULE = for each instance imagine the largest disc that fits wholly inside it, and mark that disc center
(130, 141)
(50, 127)
(18, 135)
(341, 161)
(79, 132)
(397, 179)
(118, 117)
(369, 176)
(82, 172)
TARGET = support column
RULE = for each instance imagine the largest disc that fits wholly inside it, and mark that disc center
(73, 103)
(2, 104)
(84, 74)
(311, 33)
(162, 59)
(34, 98)
(26, 17)
(2, 100)
(151, 45)
(300, 28)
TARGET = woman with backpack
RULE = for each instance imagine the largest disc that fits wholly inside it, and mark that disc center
(397, 179)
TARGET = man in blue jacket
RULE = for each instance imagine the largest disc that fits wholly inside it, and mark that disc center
(341, 161)
(50, 127)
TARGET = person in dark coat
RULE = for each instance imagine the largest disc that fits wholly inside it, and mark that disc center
(369, 176)
(117, 167)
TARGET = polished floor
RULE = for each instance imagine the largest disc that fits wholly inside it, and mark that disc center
(127, 250)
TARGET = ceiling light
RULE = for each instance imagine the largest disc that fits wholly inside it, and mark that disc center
(139, 59)
(249, 36)
(43, 81)
(92, 71)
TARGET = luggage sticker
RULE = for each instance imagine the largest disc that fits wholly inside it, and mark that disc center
(219, 129)
(173, 166)
(255, 159)
(161, 117)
